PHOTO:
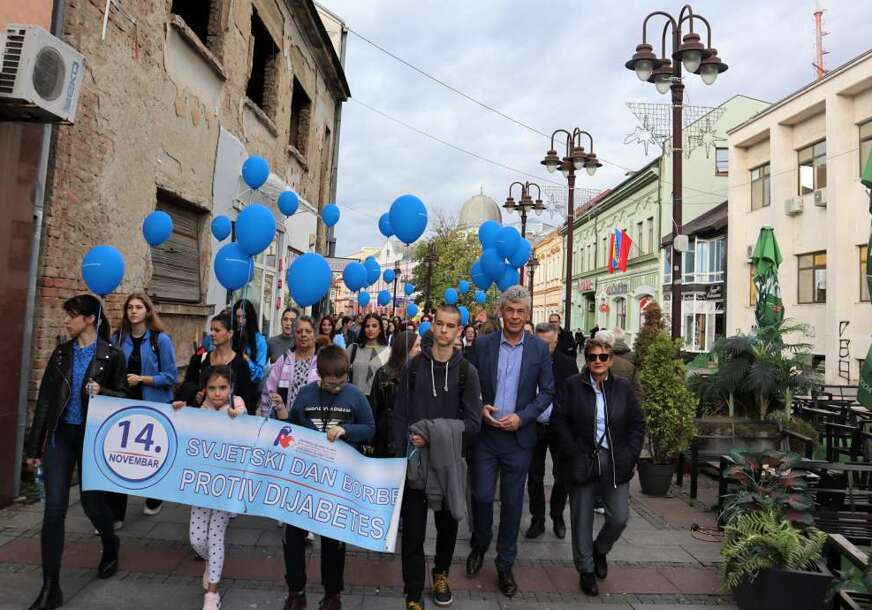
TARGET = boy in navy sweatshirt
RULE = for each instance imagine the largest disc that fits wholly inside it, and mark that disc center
(340, 410)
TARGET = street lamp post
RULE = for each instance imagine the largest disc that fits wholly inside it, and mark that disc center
(526, 203)
(665, 73)
(428, 260)
(574, 159)
(397, 271)
(532, 264)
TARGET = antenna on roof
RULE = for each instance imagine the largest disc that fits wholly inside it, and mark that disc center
(820, 69)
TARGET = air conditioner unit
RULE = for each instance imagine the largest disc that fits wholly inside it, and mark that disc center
(820, 197)
(793, 206)
(40, 76)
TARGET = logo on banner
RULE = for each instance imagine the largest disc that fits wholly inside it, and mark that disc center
(284, 438)
(136, 447)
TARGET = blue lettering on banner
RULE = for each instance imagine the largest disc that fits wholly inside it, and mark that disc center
(248, 465)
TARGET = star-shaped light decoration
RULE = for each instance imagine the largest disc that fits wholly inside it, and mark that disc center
(704, 135)
(642, 134)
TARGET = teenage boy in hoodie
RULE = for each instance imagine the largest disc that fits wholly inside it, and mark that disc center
(339, 409)
(437, 383)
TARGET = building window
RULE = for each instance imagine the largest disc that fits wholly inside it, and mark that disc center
(865, 144)
(812, 167)
(812, 280)
(760, 187)
(621, 313)
(864, 285)
(688, 263)
(667, 265)
(650, 222)
(301, 109)
(176, 262)
(198, 16)
(605, 251)
(640, 235)
(704, 321)
(262, 86)
(711, 258)
(722, 161)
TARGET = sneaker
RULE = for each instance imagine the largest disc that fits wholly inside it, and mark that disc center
(331, 602)
(211, 601)
(147, 510)
(441, 591)
(412, 604)
(600, 510)
(296, 601)
(310, 537)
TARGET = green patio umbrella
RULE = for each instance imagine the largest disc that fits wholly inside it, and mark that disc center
(766, 259)
(864, 395)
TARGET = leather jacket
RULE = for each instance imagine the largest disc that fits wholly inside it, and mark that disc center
(107, 368)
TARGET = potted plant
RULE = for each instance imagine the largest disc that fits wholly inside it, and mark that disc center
(772, 553)
(770, 563)
(669, 407)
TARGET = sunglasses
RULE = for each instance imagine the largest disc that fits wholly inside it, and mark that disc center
(595, 357)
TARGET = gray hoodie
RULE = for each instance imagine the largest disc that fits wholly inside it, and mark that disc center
(438, 467)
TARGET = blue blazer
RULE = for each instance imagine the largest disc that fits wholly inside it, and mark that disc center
(535, 387)
(165, 378)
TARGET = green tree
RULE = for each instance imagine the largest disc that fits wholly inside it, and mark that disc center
(454, 251)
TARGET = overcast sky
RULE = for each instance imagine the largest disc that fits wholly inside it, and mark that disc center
(546, 63)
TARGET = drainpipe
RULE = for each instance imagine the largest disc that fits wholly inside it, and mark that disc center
(57, 22)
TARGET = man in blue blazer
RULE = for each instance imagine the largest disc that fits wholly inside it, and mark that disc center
(517, 385)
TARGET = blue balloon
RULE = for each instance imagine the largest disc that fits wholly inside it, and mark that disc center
(522, 254)
(480, 297)
(103, 269)
(464, 315)
(487, 233)
(507, 242)
(354, 276)
(408, 289)
(288, 203)
(309, 279)
(422, 330)
(463, 286)
(479, 277)
(363, 299)
(450, 296)
(233, 266)
(221, 227)
(408, 218)
(389, 276)
(493, 264)
(411, 310)
(330, 214)
(373, 270)
(157, 228)
(255, 228)
(384, 297)
(255, 171)
(384, 224)
(509, 279)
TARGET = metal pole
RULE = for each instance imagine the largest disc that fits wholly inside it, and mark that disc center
(677, 151)
(394, 302)
(524, 236)
(570, 221)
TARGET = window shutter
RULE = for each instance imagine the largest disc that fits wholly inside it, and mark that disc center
(176, 262)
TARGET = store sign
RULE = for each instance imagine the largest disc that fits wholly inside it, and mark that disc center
(715, 292)
(644, 302)
(618, 288)
(585, 285)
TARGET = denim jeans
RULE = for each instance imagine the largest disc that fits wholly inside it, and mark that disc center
(582, 499)
(63, 453)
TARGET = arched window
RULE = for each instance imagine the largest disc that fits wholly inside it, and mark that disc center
(621, 313)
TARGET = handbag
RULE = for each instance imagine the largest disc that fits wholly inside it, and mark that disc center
(587, 468)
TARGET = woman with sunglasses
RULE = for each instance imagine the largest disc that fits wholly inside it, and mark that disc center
(598, 428)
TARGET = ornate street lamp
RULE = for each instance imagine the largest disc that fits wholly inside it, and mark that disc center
(665, 73)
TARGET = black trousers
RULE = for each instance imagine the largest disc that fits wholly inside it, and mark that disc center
(414, 512)
(536, 478)
(332, 561)
(63, 454)
(118, 504)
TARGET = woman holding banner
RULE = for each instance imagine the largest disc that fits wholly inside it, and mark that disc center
(151, 371)
(291, 372)
(82, 367)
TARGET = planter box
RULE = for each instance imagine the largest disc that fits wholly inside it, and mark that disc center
(719, 435)
(655, 479)
(785, 589)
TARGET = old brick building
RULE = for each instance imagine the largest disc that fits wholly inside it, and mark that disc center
(176, 94)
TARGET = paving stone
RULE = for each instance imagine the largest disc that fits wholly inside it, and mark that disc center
(19, 589)
(106, 595)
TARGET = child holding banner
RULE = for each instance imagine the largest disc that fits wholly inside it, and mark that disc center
(340, 410)
(208, 526)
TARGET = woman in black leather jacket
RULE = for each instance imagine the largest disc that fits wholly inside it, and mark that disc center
(84, 366)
